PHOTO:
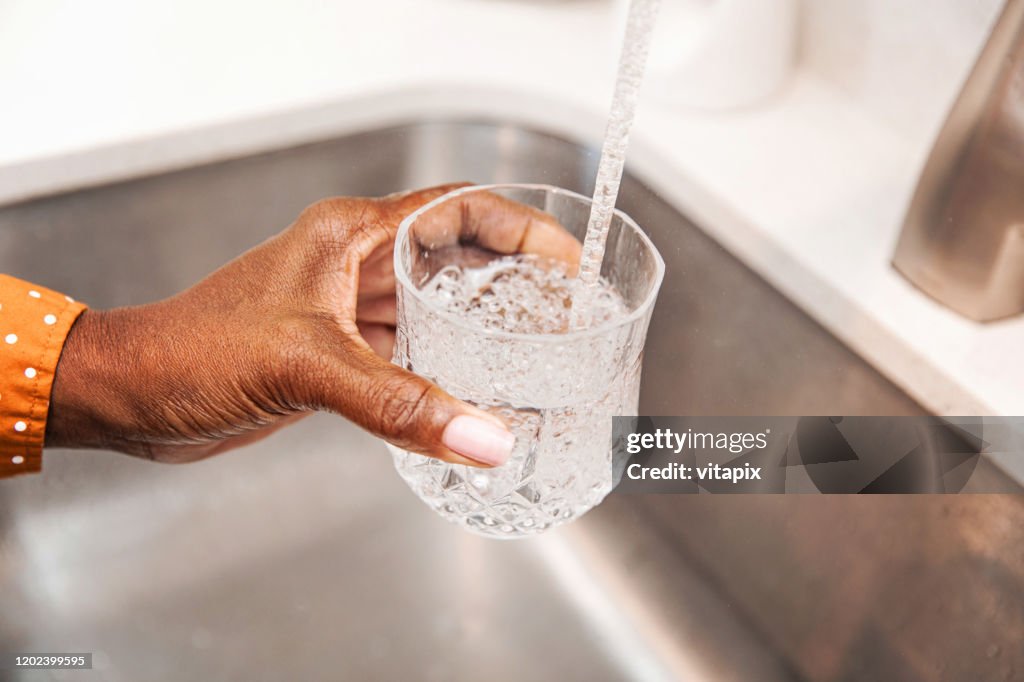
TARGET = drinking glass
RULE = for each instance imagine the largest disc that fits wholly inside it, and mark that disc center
(557, 391)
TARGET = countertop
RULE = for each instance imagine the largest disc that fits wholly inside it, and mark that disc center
(808, 188)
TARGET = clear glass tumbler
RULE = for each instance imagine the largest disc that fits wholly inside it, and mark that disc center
(556, 390)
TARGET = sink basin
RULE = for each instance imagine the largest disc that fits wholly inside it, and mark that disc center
(305, 556)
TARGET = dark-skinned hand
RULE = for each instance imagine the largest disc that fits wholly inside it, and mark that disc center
(304, 321)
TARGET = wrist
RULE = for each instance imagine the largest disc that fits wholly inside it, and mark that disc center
(90, 403)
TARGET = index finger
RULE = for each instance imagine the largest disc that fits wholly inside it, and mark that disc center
(497, 223)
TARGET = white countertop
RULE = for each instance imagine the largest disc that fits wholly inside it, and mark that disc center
(808, 189)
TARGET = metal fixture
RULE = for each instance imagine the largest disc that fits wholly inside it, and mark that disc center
(963, 238)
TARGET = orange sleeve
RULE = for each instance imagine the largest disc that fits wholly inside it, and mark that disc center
(34, 322)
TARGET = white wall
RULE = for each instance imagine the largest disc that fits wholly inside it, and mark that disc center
(903, 60)
(169, 65)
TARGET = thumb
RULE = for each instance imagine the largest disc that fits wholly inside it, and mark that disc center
(410, 411)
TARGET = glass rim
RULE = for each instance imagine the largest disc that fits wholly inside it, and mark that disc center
(402, 277)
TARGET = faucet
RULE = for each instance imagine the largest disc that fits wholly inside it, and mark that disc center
(963, 237)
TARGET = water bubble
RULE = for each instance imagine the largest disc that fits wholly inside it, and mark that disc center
(521, 294)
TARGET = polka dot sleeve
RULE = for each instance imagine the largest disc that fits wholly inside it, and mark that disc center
(33, 325)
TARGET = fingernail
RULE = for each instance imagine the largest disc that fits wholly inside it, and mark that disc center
(478, 439)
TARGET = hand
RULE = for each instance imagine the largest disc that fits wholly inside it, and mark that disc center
(304, 321)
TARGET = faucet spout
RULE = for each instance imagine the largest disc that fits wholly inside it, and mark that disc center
(963, 237)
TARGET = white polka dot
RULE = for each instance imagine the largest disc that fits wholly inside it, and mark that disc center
(17, 459)
(50, 319)
(34, 294)
(11, 338)
(20, 426)
(30, 372)
(69, 299)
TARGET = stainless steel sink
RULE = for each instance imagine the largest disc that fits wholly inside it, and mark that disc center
(306, 558)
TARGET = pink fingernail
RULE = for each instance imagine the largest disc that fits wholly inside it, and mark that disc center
(478, 439)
